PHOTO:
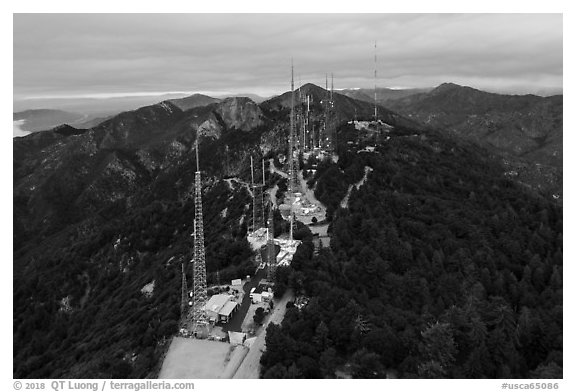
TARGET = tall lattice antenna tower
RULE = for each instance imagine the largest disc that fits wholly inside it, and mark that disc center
(375, 83)
(291, 180)
(200, 297)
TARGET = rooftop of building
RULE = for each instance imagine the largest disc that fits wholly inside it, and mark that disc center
(217, 302)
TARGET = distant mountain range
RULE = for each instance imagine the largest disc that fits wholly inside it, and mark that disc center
(41, 119)
(254, 97)
(193, 101)
(383, 95)
(525, 130)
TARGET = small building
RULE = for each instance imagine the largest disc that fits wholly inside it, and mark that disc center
(227, 310)
(236, 338)
(256, 298)
(266, 296)
(220, 308)
(264, 283)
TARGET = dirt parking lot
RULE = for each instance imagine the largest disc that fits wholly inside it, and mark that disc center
(194, 358)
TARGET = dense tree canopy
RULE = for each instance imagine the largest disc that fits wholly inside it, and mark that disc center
(111, 329)
(440, 267)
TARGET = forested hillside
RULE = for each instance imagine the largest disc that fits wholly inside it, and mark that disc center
(102, 223)
(440, 268)
(79, 309)
(524, 131)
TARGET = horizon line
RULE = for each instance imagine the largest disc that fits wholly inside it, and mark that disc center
(218, 94)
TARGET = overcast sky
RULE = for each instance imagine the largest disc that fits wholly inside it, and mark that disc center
(69, 55)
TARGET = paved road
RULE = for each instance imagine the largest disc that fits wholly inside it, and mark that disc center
(320, 229)
(274, 169)
(236, 323)
(250, 367)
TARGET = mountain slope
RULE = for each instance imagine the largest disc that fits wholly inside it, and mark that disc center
(64, 175)
(525, 129)
(440, 267)
(102, 212)
(99, 214)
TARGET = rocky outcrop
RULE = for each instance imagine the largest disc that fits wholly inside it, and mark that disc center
(240, 113)
(210, 128)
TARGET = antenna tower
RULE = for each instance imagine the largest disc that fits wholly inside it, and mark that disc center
(375, 82)
(263, 187)
(303, 114)
(307, 132)
(326, 109)
(199, 319)
(332, 129)
(292, 174)
(271, 255)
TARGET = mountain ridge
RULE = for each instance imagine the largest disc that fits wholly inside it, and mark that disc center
(192, 101)
(525, 130)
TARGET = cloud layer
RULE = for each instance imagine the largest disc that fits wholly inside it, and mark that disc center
(84, 54)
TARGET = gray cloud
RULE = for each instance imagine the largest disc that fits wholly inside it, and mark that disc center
(67, 54)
